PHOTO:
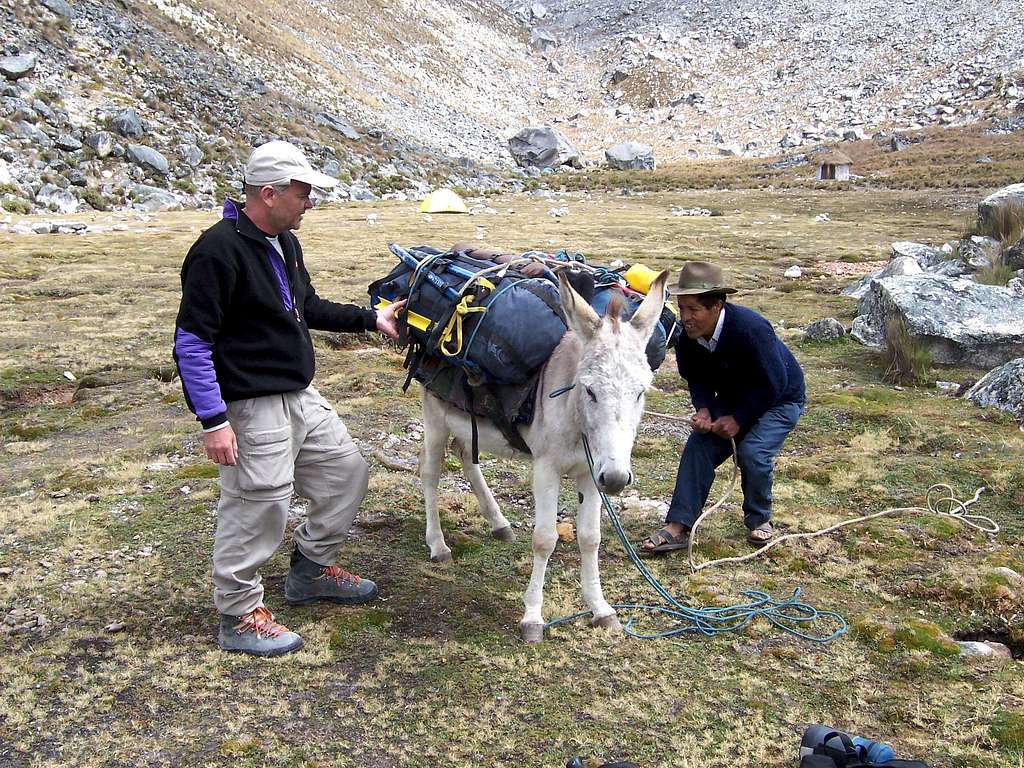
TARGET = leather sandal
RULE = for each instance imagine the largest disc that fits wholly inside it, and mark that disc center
(664, 541)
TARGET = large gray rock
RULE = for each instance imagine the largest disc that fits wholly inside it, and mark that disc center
(15, 67)
(950, 268)
(542, 40)
(828, 329)
(147, 157)
(54, 198)
(630, 156)
(1002, 388)
(899, 265)
(958, 320)
(68, 143)
(101, 142)
(924, 255)
(1013, 257)
(191, 154)
(30, 132)
(987, 208)
(128, 123)
(338, 124)
(979, 252)
(60, 8)
(154, 199)
(543, 147)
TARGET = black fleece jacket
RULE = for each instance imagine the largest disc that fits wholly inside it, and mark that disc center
(254, 317)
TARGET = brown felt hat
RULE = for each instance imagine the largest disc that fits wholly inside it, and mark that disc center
(700, 277)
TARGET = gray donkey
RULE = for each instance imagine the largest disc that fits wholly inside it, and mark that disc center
(604, 358)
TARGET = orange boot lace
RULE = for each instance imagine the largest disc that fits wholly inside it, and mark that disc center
(261, 621)
(339, 575)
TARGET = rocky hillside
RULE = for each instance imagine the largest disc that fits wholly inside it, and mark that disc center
(155, 103)
(761, 76)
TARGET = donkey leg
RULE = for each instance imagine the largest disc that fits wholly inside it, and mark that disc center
(435, 438)
(500, 528)
(588, 534)
(545, 497)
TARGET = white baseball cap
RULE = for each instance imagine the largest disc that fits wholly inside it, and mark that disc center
(278, 162)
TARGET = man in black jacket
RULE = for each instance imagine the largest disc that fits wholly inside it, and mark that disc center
(245, 357)
(745, 386)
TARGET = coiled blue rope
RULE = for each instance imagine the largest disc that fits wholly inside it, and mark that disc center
(789, 615)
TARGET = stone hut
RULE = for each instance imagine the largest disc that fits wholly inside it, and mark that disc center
(833, 166)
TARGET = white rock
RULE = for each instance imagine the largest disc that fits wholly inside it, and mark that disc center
(793, 272)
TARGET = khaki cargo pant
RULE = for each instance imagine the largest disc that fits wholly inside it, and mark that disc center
(291, 440)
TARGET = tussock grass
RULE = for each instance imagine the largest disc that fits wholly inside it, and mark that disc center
(433, 673)
(906, 360)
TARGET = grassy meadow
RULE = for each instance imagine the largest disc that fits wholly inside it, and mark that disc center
(108, 510)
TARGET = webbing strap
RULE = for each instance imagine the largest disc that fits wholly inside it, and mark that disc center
(453, 330)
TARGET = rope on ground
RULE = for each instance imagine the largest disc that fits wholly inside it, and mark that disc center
(790, 615)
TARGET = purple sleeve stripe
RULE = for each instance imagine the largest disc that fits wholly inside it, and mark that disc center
(195, 364)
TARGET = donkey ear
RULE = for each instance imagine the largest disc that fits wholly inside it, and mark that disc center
(649, 311)
(580, 316)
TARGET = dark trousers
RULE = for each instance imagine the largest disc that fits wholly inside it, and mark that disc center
(755, 453)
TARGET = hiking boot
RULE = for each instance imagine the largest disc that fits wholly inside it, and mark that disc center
(308, 582)
(256, 633)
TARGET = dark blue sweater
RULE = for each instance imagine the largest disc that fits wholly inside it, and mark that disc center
(749, 372)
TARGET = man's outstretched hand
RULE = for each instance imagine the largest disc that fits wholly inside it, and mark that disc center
(725, 427)
(221, 446)
(386, 323)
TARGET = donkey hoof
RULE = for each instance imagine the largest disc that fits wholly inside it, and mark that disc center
(531, 633)
(609, 623)
(505, 534)
(444, 556)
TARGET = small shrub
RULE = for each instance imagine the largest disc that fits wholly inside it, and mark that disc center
(1005, 225)
(1008, 730)
(998, 274)
(907, 361)
(22, 207)
(96, 200)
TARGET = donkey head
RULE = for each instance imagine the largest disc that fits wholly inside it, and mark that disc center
(612, 377)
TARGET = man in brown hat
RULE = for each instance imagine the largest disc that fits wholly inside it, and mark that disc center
(745, 386)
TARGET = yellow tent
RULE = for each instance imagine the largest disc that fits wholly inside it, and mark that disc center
(443, 201)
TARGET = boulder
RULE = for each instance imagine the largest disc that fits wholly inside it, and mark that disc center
(60, 8)
(30, 132)
(924, 255)
(337, 124)
(101, 142)
(54, 198)
(979, 252)
(950, 268)
(127, 123)
(68, 143)
(15, 67)
(1013, 257)
(899, 265)
(828, 329)
(1002, 388)
(1016, 285)
(987, 208)
(960, 322)
(543, 147)
(191, 155)
(630, 155)
(543, 41)
(147, 157)
(153, 199)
